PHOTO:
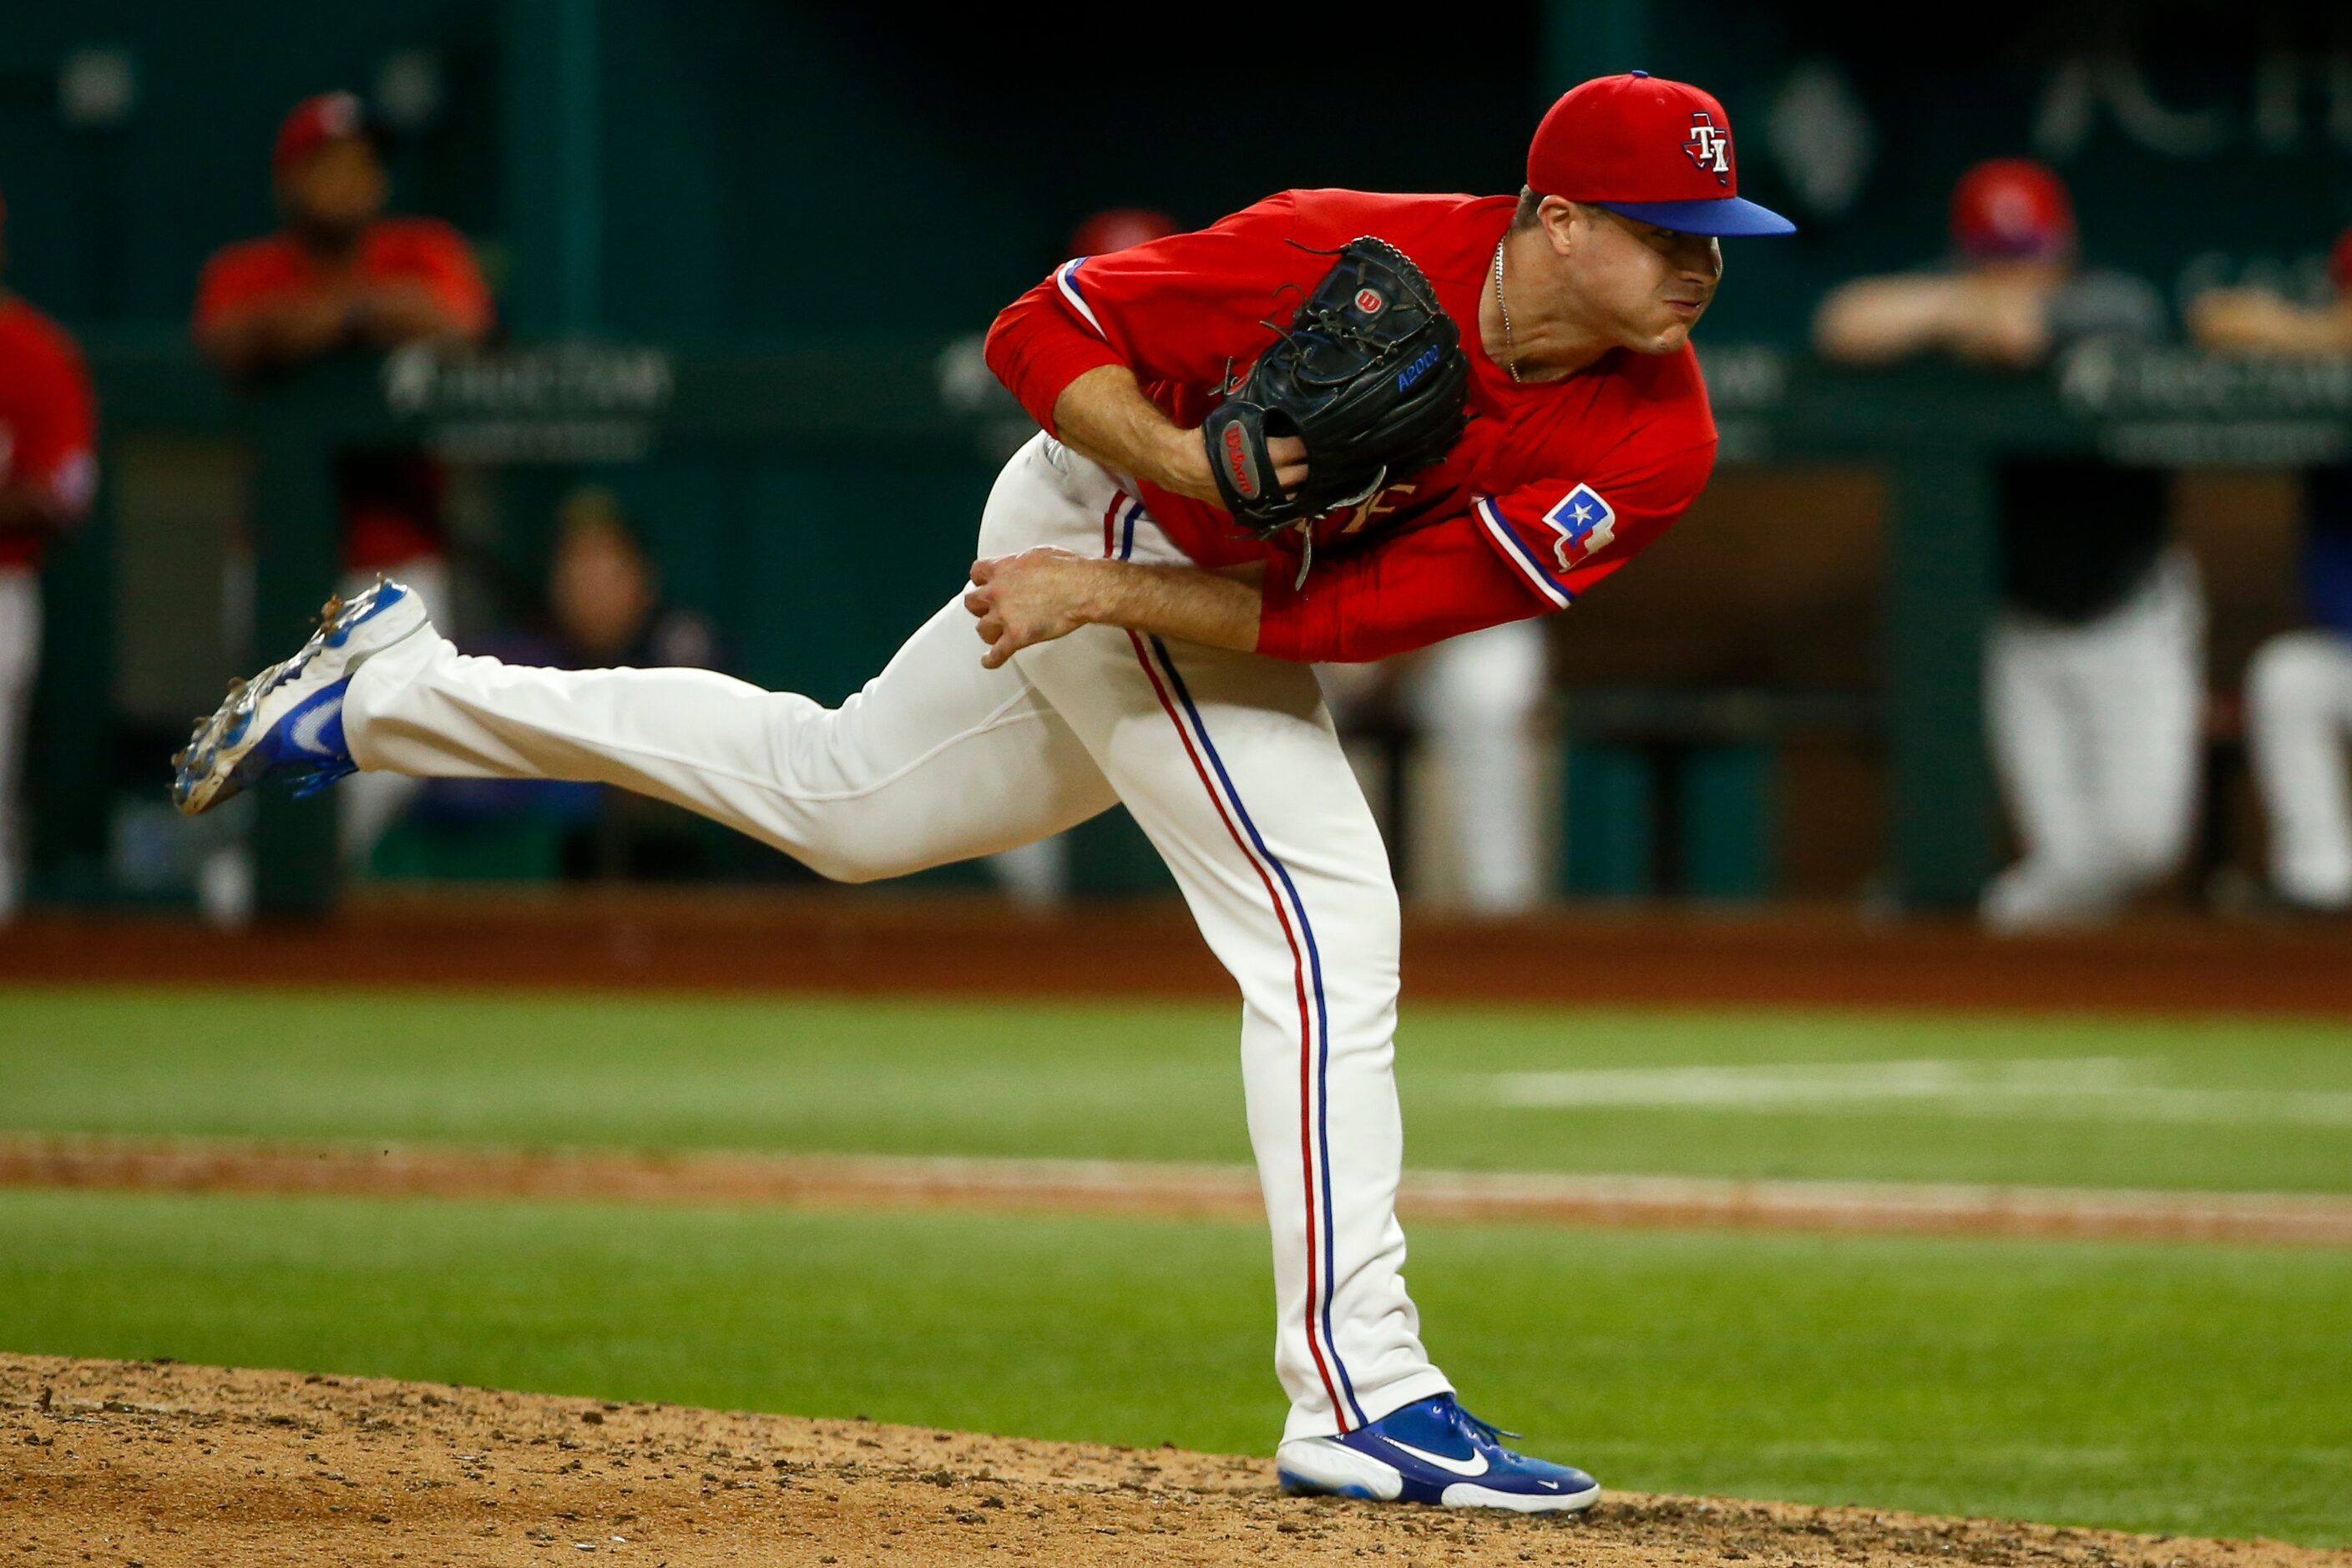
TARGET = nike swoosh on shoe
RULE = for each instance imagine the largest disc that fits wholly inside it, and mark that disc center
(305, 730)
(1476, 1464)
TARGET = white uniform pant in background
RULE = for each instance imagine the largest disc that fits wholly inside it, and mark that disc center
(1478, 698)
(1228, 761)
(2298, 718)
(2094, 731)
(1474, 700)
(20, 660)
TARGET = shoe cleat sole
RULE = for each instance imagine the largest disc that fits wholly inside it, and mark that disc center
(224, 756)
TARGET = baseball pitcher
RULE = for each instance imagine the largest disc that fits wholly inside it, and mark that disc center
(1333, 426)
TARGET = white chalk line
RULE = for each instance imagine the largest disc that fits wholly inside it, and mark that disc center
(2068, 1089)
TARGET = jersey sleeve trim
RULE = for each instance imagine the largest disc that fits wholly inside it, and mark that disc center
(1515, 551)
(1066, 280)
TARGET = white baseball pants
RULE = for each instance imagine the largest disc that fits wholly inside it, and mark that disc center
(20, 656)
(1228, 761)
(2298, 718)
(2094, 732)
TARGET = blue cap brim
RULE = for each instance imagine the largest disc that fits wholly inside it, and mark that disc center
(1719, 214)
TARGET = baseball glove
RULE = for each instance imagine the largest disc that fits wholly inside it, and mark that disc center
(1369, 373)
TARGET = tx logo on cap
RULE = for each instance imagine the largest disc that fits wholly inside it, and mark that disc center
(1709, 147)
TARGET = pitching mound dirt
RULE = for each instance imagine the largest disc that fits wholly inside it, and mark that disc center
(156, 1464)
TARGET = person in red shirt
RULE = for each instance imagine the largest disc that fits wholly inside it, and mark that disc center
(340, 276)
(48, 472)
(1139, 647)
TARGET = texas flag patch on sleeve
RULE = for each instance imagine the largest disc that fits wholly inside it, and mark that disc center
(1546, 551)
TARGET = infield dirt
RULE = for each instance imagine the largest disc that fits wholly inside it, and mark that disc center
(157, 1464)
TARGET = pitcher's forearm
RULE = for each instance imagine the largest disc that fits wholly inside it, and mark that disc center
(1182, 602)
(1037, 595)
(1104, 416)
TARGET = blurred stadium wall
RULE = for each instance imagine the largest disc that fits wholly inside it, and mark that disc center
(725, 173)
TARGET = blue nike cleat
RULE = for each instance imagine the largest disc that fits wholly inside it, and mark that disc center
(1435, 1452)
(287, 722)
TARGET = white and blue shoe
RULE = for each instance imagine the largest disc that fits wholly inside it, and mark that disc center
(1434, 1452)
(287, 722)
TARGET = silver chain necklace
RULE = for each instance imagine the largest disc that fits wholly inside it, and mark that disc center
(1510, 346)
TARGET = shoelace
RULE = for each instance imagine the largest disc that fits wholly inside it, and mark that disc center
(1487, 1429)
(309, 783)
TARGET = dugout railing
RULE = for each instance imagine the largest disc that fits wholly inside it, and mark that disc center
(1938, 435)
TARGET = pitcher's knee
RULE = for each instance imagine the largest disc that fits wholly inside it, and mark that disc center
(851, 861)
(1357, 943)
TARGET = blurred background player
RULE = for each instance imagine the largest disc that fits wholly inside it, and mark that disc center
(340, 276)
(2299, 684)
(601, 606)
(48, 475)
(2095, 663)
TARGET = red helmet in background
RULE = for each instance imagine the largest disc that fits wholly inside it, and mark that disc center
(2339, 265)
(1116, 228)
(312, 123)
(2012, 210)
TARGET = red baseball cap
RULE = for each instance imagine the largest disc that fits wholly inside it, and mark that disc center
(1657, 151)
(312, 123)
(2339, 263)
(2011, 208)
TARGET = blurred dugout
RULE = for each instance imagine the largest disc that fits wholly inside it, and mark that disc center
(2299, 684)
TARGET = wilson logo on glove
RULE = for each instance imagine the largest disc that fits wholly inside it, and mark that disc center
(1237, 462)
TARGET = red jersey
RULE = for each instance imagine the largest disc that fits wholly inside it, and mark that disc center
(390, 501)
(48, 423)
(420, 250)
(1552, 487)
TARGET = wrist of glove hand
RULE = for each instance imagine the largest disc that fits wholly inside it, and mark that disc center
(1186, 466)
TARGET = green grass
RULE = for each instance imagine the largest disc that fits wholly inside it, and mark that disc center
(2187, 1390)
(2234, 1105)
